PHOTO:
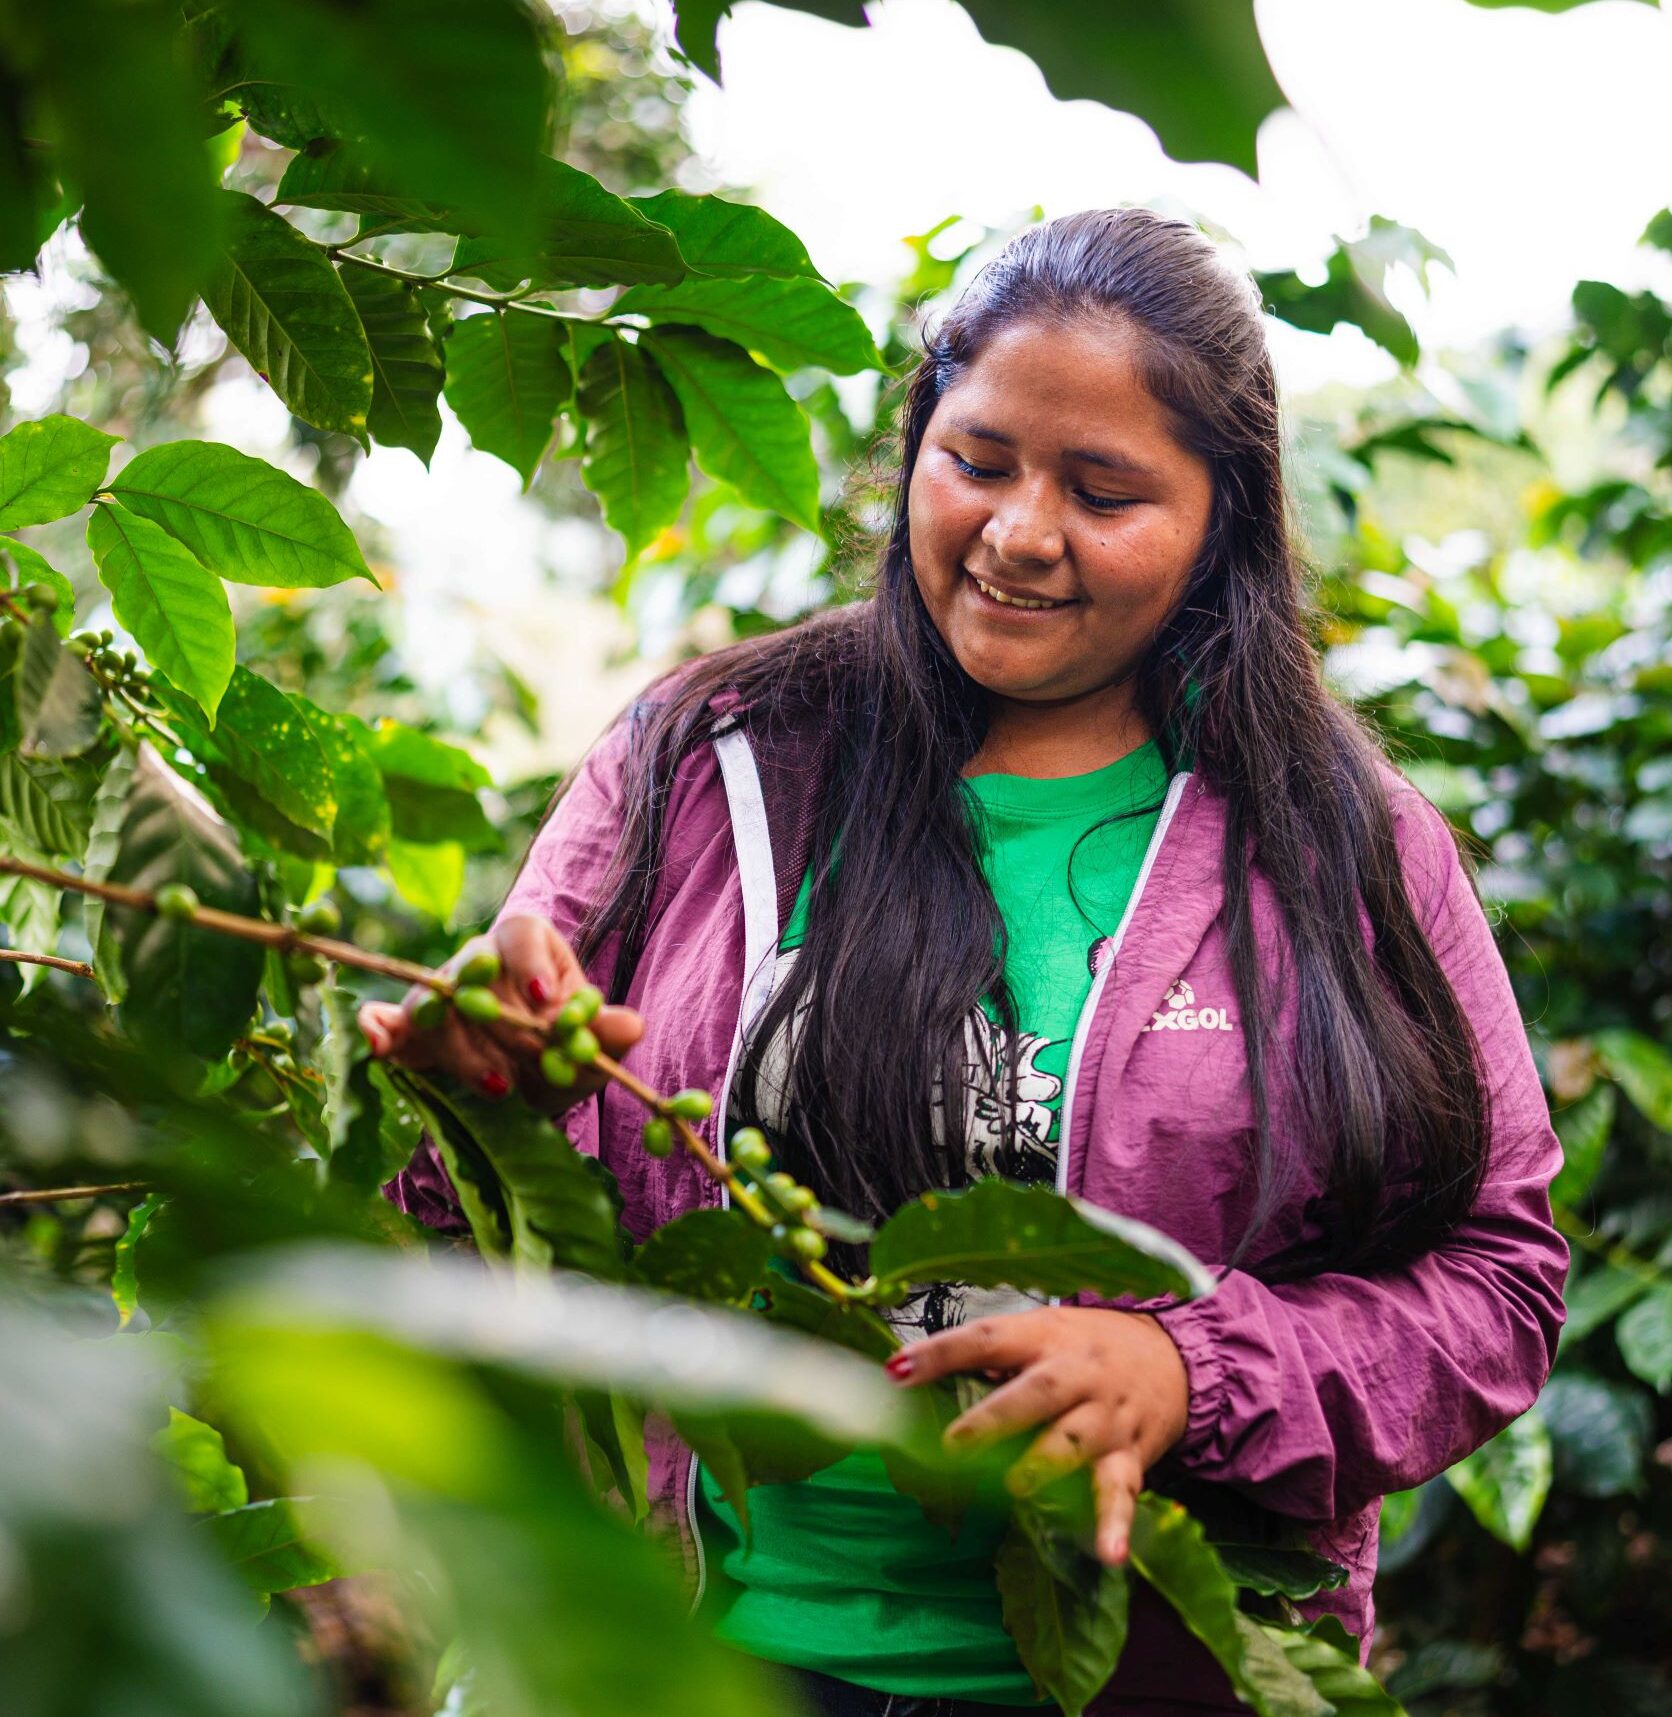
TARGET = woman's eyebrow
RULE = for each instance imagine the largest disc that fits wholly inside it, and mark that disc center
(1122, 462)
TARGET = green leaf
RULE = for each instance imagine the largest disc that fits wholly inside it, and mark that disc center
(428, 877)
(124, 1279)
(341, 177)
(1282, 1689)
(1645, 1338)
(1323, 1652)
(727, 239)
(187, 988)
(30, 912)
(507, 378)
(1599, 1433)
(586, 236)
(1583, 1128)
(637, 456)
(353, 1100)
(791, 323)
(616, 1427)
(1505, 1481)
(1643, 1070)
(1066, 1611)
(406, 367)
(30, 568)
(265, 742)
(265, 1543)
(709, 1442)
(45, 808)
(360, 832)
(707, 1255)
(1595, 1297)
(794, 1305)
(744, 427)
(1269, 1570)
(240, 516)
(431, 786)
(110, 807)
(280, 302)
(122, 114)
(1168, 1548)
(1002, 1233)
(197, 1453)
(174, 606)
(59, 709)
(49, 469)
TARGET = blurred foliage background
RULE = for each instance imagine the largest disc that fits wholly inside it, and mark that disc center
(1494, 589)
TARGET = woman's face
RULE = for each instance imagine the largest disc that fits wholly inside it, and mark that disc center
(1048, 475)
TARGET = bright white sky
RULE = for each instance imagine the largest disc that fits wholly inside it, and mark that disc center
(1533, 148)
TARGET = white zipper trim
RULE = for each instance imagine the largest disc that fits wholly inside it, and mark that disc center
(757, 876)
(1082, 1027)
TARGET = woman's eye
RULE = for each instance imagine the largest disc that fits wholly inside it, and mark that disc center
(970, 470)
(1102, 503)
(1108, 503)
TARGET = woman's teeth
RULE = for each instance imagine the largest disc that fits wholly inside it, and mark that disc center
(1015, 601)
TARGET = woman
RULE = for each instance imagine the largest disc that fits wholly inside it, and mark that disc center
(1064, 821)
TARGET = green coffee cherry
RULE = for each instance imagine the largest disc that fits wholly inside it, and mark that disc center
(804, 1243)
(749, 1149)
(42, 598)
(279, 1031)
(798, 1200)
(79, 647)
(430, 1010)
(580, 1009)
(690, 1105)
(320, 919)
(177, 902)
(305, 969)
(476, 1003)
(581, 1047)
(658, 1137)
(481, 968)
(557, 1069)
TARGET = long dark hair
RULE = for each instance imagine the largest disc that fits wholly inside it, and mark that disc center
(904, 937)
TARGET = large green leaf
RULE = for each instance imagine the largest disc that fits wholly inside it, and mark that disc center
(174, 606)
(1599, 1432)
(341, 177)
(727, 239)
(240, 516)
(1324, 1652)
(283, 306)
(1583, 1129)
(406, 367)
(637, 459)
(431, 786)
(707, 1255)
(360, 833)
(744, 427)
(453, 98)
(124, 1273)
(1169, 1549)
(58, 705)
(1598, 1295)
(122, 116)
(794, 1305)
(210, 1482)
(49, 469)
(791, 323)
(30, 567)
(508, 377)
(586, 236)
(43, 808)
(266, 1543)
(999, 1232)
(1645, 1338)
(1643, 1070)
(1066, 1611)
(187, 988)
(110, 810)
(1505, 1481)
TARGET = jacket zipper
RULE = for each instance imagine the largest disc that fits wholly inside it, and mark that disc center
(1109, 950)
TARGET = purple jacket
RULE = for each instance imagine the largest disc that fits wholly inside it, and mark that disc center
(1314, 1398)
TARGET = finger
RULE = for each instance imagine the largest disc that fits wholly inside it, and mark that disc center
(1117, 1477)
(383, 1025)
(617, 1030)
(1002, 1344)
(538, 969)
(1073, 1439)
(473, 1058)
(1042, 1391)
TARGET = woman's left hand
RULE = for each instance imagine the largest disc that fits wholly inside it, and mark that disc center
(1110, 1386)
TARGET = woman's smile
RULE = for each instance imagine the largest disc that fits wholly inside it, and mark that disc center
(1016, 602)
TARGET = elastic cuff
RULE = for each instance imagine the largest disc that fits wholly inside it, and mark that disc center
(1195, 1333)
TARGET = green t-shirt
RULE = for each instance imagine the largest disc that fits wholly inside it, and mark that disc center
(845, 1575)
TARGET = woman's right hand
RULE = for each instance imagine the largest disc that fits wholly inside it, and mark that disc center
(538, 972)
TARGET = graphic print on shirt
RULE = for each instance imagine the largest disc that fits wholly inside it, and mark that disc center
(1032, 1158)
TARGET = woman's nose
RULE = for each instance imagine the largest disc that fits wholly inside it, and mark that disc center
(1023, 530)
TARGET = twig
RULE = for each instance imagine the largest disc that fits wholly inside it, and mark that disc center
(443, 283)
(16, 957)
(54, 1194)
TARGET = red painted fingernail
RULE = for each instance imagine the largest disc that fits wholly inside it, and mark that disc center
(900, 1366)
(493, 1084)
(538, 993)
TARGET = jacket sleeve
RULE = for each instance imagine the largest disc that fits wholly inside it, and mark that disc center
(1315, 1397)
(560, 876)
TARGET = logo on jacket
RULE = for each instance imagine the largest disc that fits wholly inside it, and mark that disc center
(1180, 1013)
